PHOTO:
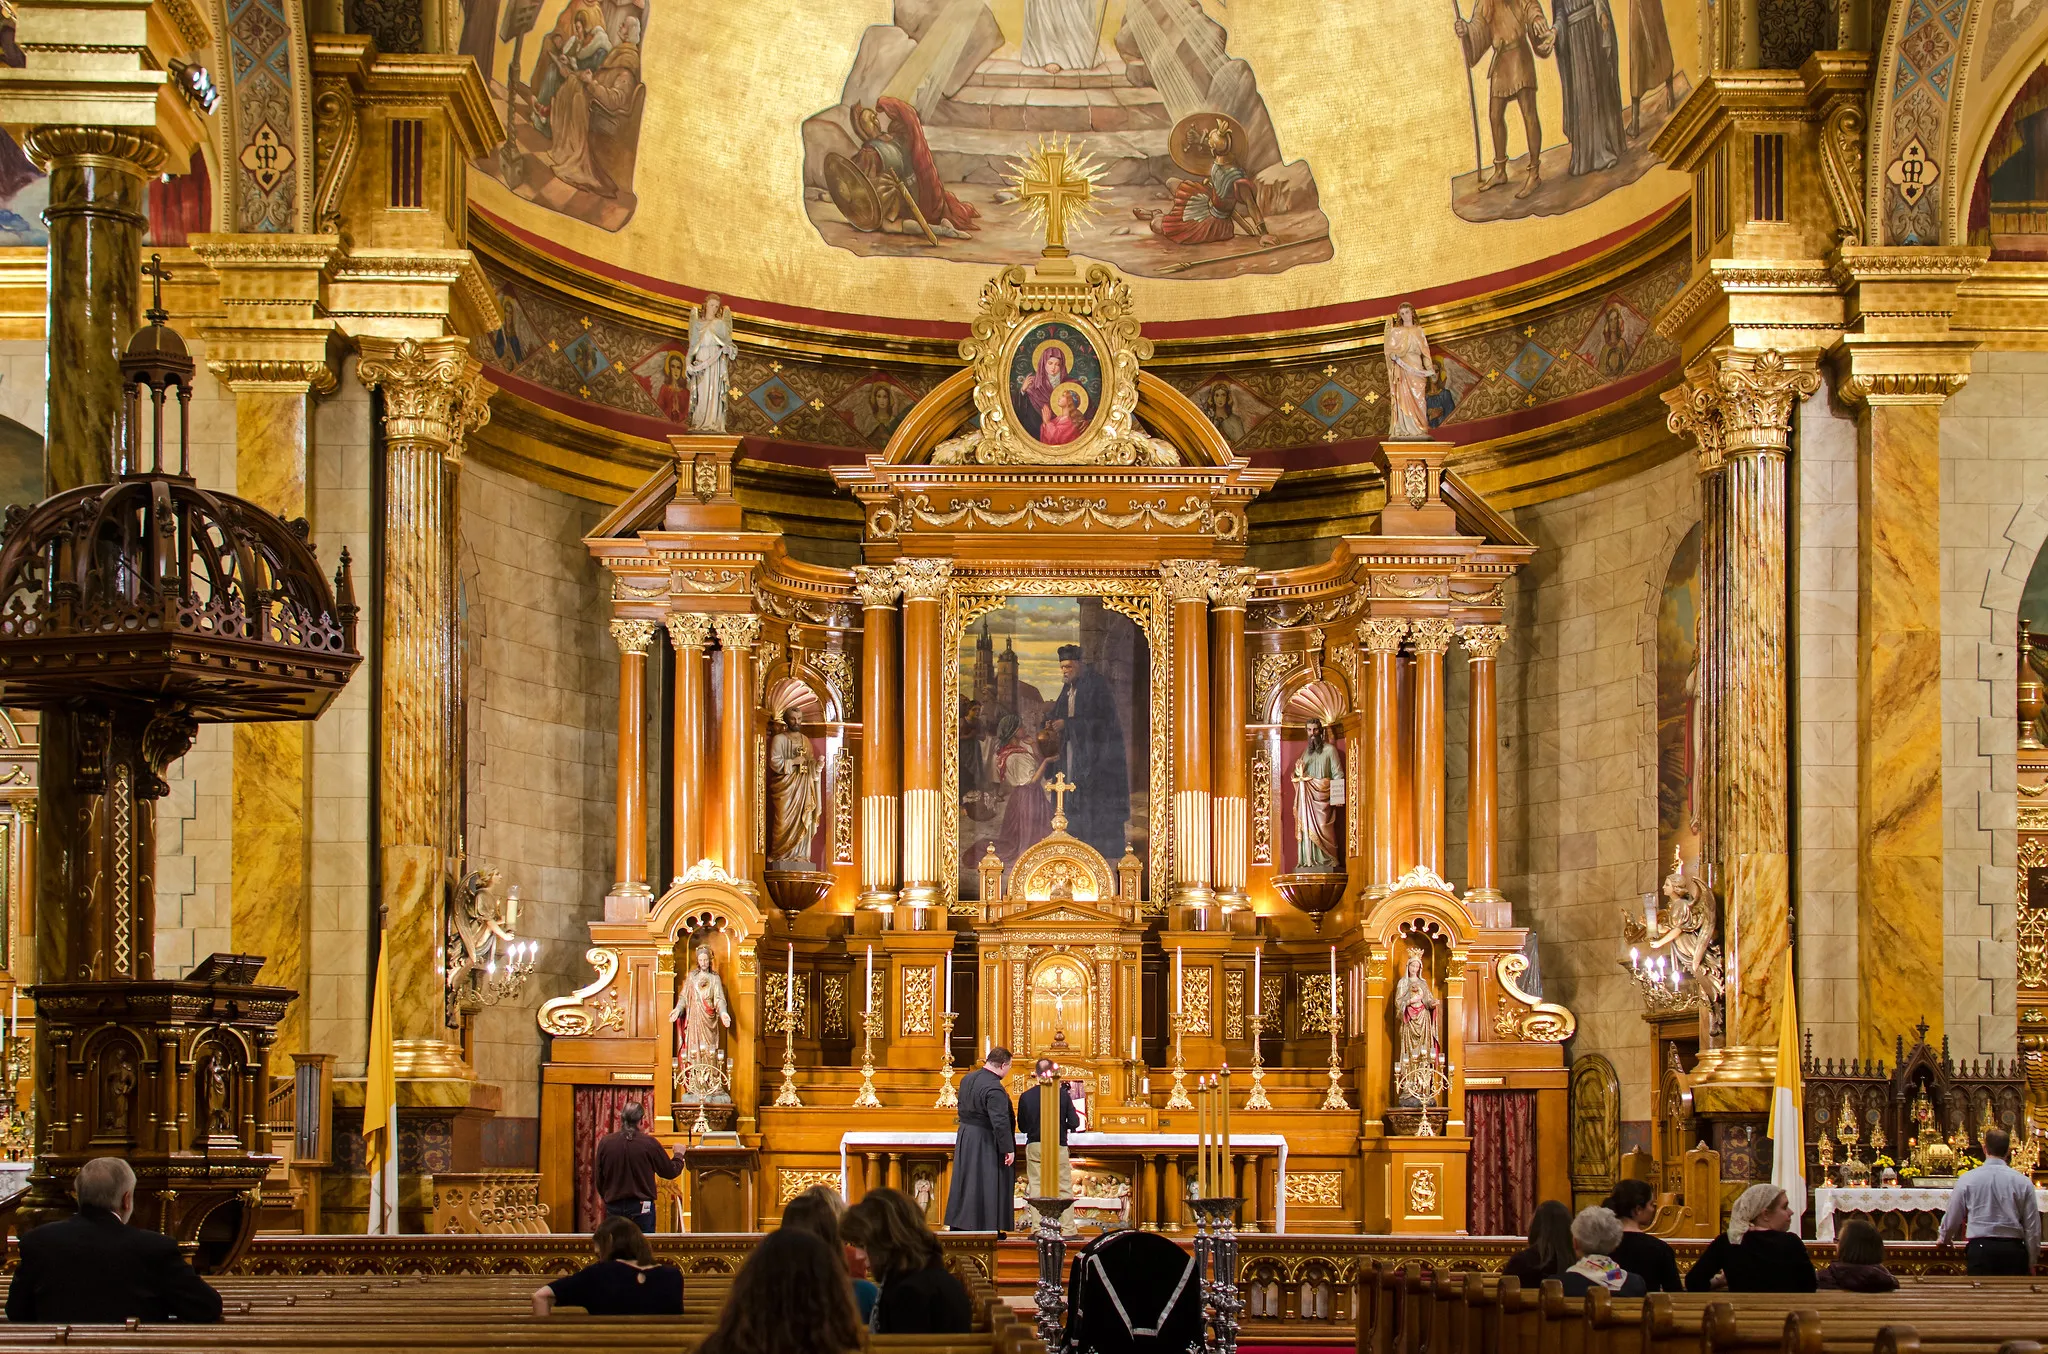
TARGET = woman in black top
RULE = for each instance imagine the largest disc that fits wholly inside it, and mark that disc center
(1859, 1261)
(1757, 1254)
(1640, 1253)
(919, 1296)
(1549, 1252)
(625, 1281)
(791, 1297)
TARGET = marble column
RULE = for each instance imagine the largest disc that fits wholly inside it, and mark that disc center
(99, 204)
(273, 808)
(1429, 638)
(926, 585)
(1899, 904)
(630, 894)
(737, 811)
(1482, 777)
(434, 395)
(1187, 584)
(689, 633)
(880, 736)
(1232, 843)
(1736, 406)
(1381, 637)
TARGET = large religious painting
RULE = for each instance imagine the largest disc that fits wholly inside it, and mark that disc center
(1053, 693)
(915, 158)
(1678, 704)
(2009, 205)
(1055, 383)
(1603, 84)
(565, 76)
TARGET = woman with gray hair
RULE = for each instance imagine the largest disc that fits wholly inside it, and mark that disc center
(1758, 1253)
(1595, 1234)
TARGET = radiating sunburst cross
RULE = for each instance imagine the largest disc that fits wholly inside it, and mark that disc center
(1056, 184)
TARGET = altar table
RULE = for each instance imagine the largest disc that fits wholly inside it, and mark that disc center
(1828, 1201)
(1078, 1143)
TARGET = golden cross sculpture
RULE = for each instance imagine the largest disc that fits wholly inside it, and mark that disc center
(1061, 787)
(1056, 185)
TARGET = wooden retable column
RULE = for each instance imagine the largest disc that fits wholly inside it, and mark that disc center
(1381, 636)
(1232, 843)
(880, 736)
(689, 632)
(1187, 586)
(1482, 778)
(737, 636)
(630, 893)
(926, 583)
(1429, 638)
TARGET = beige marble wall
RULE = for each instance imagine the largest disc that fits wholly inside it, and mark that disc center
(1994, 521)
(338, 964)
(545, 693)
(1577, 691)
(1824, 573)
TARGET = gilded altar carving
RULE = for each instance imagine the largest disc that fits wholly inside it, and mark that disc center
(1269, 670)
(737, 631)
(842, 807)
(835, 669)
(924, 580)
(1262, 805)
(1270, 1006)
(1382, 634)
(571, 1015)
(1431, 634)
(876, 585)
(1054, 510)
(832, 1007)
(773, 986)
(1316, 1189)
(434, 391)
(632, 636)
(764, 666)
(1195, 1000)
(1426, 587)
(1233, 587)
(2030, 924)
(1187, 580)
(1483, 641)
(1316, 1004)
(1233, 1004)
(791, 1181)
(1736, 403)
(916, 1014)
(1424, 1193)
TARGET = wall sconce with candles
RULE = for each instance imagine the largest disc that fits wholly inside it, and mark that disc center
(1675, 953)
(487, 963)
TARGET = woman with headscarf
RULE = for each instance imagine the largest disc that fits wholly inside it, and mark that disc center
(1758, 1253)
(1596, 1233)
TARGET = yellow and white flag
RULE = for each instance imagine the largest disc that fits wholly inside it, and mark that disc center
(380, 1105)
(1788, 1103)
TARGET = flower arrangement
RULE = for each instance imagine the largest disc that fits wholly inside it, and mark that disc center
(1911, 1173)
(1885, 1164)
(1966, 1162)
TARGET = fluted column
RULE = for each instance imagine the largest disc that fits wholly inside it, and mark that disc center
(1381, 638)
(689, 633)
(434, 395)
(737, 636)
(1429, 638)
(630, 813)
(926, 584)
(1736, 406)
(1482, 777)
(1188, 582)
(99, 204)
(1232, 843)
(880, 736)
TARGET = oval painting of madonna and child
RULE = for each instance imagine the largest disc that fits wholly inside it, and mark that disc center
(1055, 383)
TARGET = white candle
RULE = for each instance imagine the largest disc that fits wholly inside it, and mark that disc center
(789, 983)
(512, 908)
(14, 1014)
(869, 1008)
(1134, 1048)
(949, 985)
(1257, 956)
(1333, 987)
(1176, 980)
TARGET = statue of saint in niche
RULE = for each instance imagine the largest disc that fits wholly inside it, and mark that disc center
(1418, 1064)
(795, 796)
(701, 1014)
(1319, 805)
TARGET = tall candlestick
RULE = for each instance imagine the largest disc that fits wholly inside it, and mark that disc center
(1048, 1133)
(1333, 988)
(789, 983)
(949, 982)
(1176, 980)
(1201, 1139)
(1223, 1162)
(869, 1008)
(1134, 1048)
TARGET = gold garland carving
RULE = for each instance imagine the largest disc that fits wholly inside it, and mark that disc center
(791, 1181)
(1262, 805)
(1233, 1004)
(1316, 1189)
(842, 807)
(1195, 1000)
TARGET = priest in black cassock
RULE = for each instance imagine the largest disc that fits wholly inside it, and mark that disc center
(984, 1151)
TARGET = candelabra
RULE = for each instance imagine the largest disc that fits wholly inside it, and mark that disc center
(786, 1097)
(1257, 1099)
(1051, 1292)
(1333, 1099)
(485, 963)
(867, 1099)
(17, 1061)
(948, 1097)
(1216, 1268)
(1179, 1099)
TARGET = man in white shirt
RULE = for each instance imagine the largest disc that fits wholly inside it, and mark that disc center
(1995, 1208)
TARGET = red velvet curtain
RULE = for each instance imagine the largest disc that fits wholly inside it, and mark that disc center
(1500, 1190)
(597, 1113)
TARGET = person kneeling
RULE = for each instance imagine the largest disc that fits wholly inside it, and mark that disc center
(94, 1268)
(625, 1281)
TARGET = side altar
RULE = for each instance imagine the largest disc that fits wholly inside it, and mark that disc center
(1055, 768)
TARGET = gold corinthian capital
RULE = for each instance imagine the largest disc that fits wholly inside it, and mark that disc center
(434, 390)
(1739, 403)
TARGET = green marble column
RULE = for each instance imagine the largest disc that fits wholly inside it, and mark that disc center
(99, 199)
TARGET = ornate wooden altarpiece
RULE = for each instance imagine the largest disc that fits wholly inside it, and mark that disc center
(1072, 948)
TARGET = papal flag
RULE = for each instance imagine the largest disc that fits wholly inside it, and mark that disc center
(1788, 1104)
(380, 1105)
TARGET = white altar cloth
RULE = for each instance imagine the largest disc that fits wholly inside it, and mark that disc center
(1081, 1142)
(1828, 1201)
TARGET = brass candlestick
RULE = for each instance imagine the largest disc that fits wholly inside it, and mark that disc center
(1179, 1099)
(867, 1099)
(1257, 1099)
(786, 1097)
(948, 1097)
(1333, 1099)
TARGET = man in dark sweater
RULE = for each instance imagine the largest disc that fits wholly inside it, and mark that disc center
(626, 1166)
(1035, 1152)
(94, 1269)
